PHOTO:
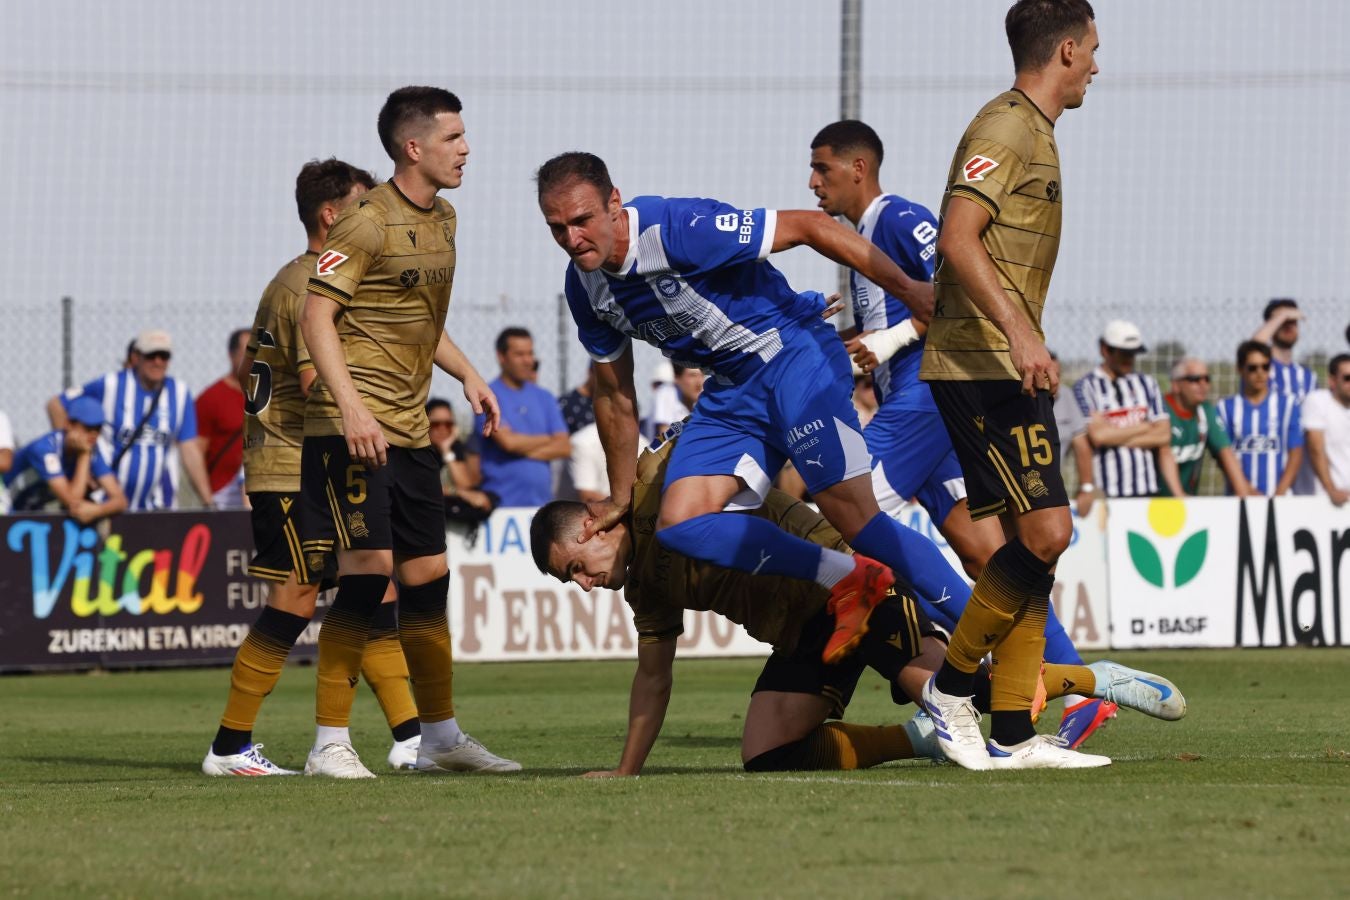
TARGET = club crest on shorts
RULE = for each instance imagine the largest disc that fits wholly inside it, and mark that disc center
(330, 260)
(1033, 485)
(356, 524)
(314, 561)
(977, 167)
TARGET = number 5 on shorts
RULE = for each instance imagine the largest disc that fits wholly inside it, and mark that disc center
(356, 483)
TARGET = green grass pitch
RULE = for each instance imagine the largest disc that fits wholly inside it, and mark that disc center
(101, 795)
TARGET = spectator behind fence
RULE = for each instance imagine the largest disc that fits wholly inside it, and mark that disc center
(58, 470)
(1196, 430)
(1127, 427)
(1280, 331)
(459, 469)
(1263, 425)
(515, 458)
(1073, 443)
(671, 406)
(1326, 430)
(6, 458)
(148, 418)
(220, 427)
(577, 406)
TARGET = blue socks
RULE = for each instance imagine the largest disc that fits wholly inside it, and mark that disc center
(742, 542)
(942, 590)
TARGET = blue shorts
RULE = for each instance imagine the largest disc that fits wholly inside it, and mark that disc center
(798, 407)
(913, 457)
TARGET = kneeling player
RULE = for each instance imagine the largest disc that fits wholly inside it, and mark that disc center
(796, 693)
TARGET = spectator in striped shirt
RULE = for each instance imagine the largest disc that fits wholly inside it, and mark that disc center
(1127, 425)
(1280, 330)
(1263, 424)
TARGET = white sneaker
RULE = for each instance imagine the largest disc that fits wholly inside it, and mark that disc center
(403, 755)
(466, 756)
(923, 738)
(957, 726)
(248, 763)
(336, 760)
(1145, 692)
(1044, 751)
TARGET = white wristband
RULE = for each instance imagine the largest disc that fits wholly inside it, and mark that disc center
(888, 342)
(1087, 487)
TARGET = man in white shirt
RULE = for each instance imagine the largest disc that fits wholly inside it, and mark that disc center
(1326, 429)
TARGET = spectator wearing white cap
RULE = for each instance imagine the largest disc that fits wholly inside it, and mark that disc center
(1127, 424)
(149, 420)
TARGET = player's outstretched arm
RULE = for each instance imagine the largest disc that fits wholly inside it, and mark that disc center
(365, 437)
(845, 246)
(454, 363)
(616, 419)
(960, 247)
(647, 703)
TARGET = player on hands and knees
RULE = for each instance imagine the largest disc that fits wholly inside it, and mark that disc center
(374, 324)
(276, 374)
(690, 276)
(786, 725)
(991, 377)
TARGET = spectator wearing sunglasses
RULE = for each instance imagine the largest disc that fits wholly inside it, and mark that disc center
(149, 422)
(1197, 431)
(1263, 424)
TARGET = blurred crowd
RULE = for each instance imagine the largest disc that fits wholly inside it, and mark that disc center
(126, 439)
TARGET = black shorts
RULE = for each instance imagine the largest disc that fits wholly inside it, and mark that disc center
(894, 637)
(277, 548)
(1007, 444)
(349, 507)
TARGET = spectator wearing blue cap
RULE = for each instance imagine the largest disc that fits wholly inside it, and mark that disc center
(57, 471)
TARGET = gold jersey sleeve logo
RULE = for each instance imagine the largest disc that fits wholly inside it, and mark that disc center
(977, 167)
(330, 260)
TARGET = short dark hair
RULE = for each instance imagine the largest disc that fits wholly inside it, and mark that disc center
(325, 181)
(576, 165)
(1335, 363)
(238, 336)
(849, 135)
(1278, 303)
(1037, 27)
(1247, 348)
(438, 403)
(555, 520)
(514, 331)
(407, 105)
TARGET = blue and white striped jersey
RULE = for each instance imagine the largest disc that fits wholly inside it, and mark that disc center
(907, 233)
(148, 471)
(1125, 400)
(1291, 378)
(696, 285)
(1262, 435)
(41, 461)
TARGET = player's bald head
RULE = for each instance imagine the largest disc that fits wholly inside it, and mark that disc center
(566, 169)
(410, 112)
(556, 521)
(850, 138)
(1036, 28)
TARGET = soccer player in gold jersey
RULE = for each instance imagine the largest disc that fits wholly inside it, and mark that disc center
(993, 382)
(277, 373)
(786, 724)
(374, 322)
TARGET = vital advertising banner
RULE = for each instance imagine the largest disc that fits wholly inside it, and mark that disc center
(1219, 572)
(139, 589)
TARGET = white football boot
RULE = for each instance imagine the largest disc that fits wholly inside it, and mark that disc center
(1044, 751)
(957, 725)
(1145, 692)
(466, 756)
(336, 760)
(403, 755)
(247, 763)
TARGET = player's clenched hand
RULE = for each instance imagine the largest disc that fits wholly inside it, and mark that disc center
(862, 356)
(608, 773)
(602, 515)
(482, 400)
(365, 437)
(1032, 361)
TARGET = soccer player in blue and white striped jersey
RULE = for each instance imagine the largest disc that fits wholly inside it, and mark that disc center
(1263, 424)
(1128, 426)
(148, 419)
